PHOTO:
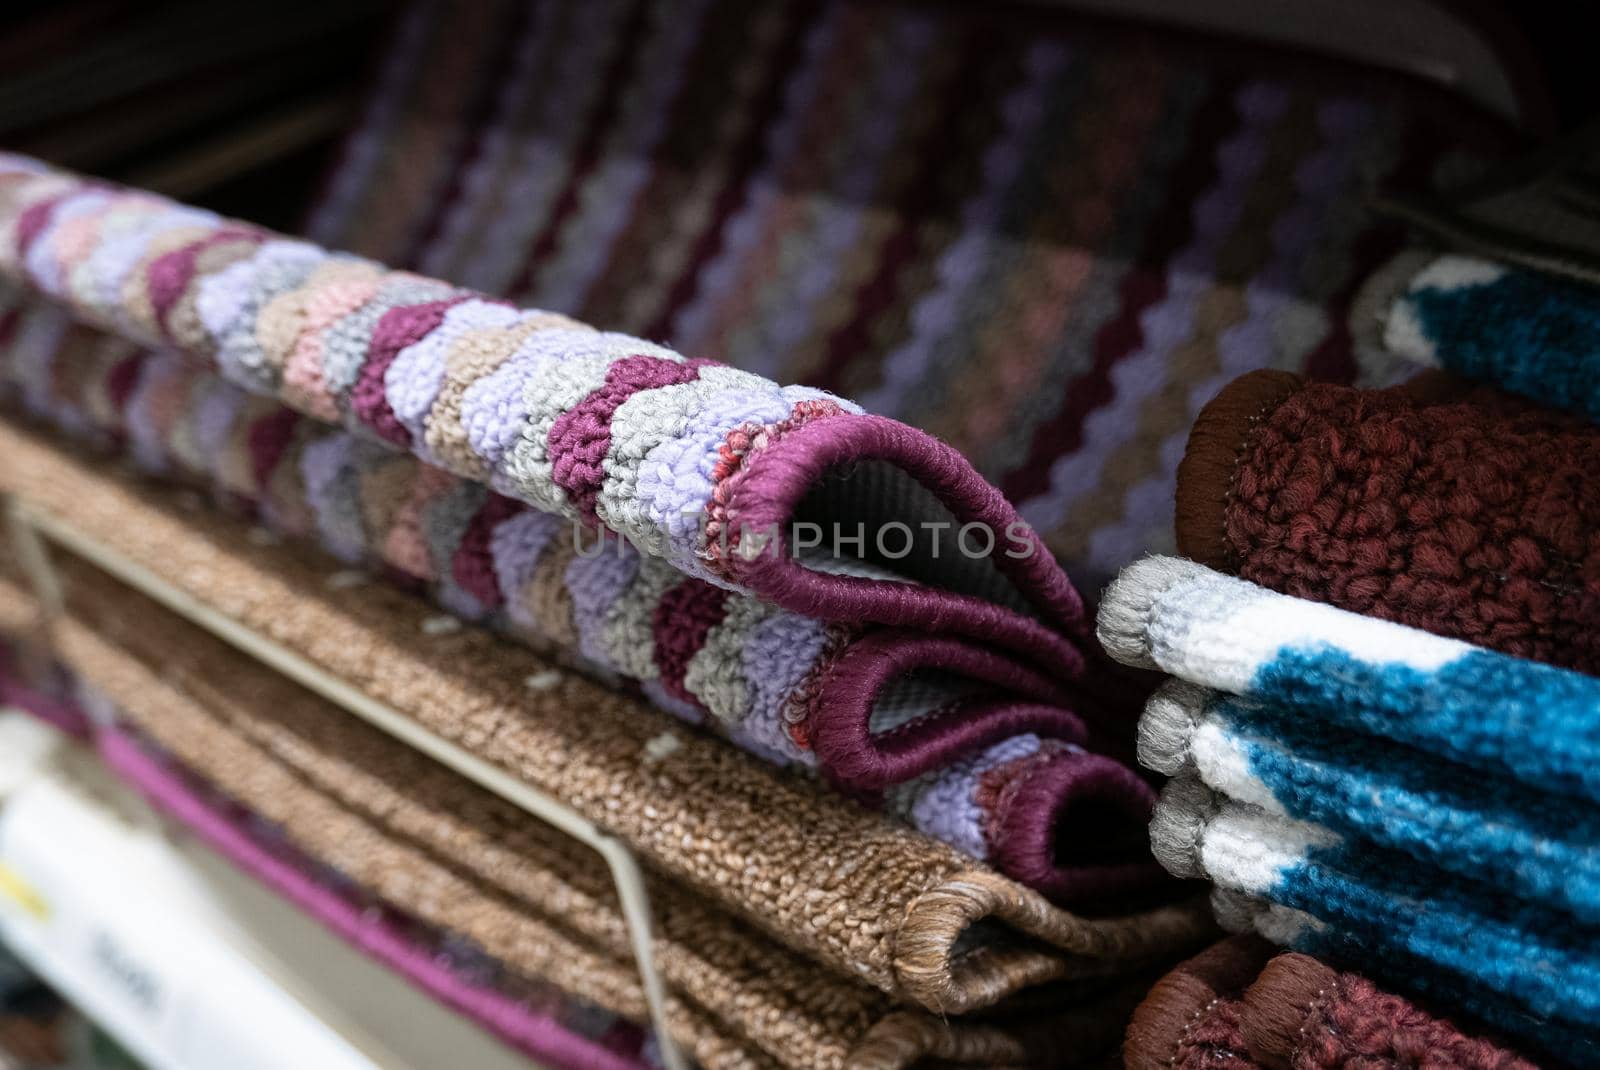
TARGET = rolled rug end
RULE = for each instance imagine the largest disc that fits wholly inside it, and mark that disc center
(1278, 1003)
(1239, 912)
(1206, 475)
(1168, 724)
(1128, 606)
(1073, 830)
(1161, 1023)
(1180, 819)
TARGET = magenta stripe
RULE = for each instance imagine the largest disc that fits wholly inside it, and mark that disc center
(123, 379)
(857, 758)
(34, 218)
(472, 565)
(683, 618)
(535, 1034)
(1075, 798)
(399, 328)
(62, 716)
(580, 438)
(268, 439)
(170, 274)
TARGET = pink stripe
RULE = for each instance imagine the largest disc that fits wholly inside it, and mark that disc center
(536, 1034)
(580, 438)
(399, 327)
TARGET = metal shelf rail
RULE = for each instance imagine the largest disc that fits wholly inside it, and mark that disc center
(32, 530)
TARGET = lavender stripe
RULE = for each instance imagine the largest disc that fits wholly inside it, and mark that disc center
(597, 577)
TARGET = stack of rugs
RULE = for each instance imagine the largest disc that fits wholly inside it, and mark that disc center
(966, 698)
(1383, 730)
(821, 669)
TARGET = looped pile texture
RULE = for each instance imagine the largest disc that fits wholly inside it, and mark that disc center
(1237, 1007)
(1436, 505)
(873, 901)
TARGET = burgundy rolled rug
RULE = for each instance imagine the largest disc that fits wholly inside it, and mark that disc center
(1438, 505)
(1236, 1007)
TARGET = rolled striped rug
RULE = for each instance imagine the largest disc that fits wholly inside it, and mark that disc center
(951, 669)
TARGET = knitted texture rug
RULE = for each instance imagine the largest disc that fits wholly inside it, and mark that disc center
(1529, 970)
(868, 898)
(1530, 333)
(1361, 789)
(1519, 719)
(1439, 505)
(1043, 237)
(1411, 804)
(938, 678)
(704, 466)
(1235, 1006)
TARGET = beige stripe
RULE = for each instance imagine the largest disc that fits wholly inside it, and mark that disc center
(135, 297)
(473, 356)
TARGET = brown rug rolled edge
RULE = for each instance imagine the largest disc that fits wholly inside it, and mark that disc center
(1277, 1004)
(787, 1005)
(932, 972)
(1221, 971)
(1216, 443)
